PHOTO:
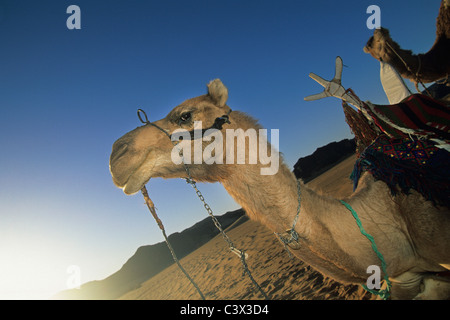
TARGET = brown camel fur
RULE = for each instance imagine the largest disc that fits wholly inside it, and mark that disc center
(429, 67)
(412, 234)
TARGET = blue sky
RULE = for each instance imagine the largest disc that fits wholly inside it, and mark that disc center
(67, 95)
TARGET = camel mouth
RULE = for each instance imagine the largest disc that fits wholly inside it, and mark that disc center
(136, 181)
(132, 180)
(368, 45)
(133, 188)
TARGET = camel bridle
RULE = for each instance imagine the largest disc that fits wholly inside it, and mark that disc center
(290, 237)
(218, 124)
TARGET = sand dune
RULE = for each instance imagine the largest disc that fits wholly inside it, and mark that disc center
(219, 273)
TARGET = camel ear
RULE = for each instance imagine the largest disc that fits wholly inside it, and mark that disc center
(218, 92)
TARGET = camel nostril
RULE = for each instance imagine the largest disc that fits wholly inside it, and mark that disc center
(118, 150)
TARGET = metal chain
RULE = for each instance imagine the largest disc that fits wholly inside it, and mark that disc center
(210, 212)
(231, 246)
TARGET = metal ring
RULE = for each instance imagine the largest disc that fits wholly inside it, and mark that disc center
(145, 115)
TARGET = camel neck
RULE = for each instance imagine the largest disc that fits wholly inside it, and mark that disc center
(404, 61)
(270, 199)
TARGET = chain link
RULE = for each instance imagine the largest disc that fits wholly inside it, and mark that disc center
(210, 212)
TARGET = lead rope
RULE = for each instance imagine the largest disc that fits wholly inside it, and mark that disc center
(243, 256)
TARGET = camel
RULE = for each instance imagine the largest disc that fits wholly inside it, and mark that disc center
(411, 233)
(428, 67)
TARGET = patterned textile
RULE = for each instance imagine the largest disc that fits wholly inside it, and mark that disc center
(405, 164)
(417, 115)
(416, 151)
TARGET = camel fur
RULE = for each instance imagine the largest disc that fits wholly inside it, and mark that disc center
(411, 233)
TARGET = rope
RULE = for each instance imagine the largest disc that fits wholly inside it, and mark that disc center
(384, 294)
(151, 207)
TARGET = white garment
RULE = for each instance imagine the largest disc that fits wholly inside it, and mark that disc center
(393, 84)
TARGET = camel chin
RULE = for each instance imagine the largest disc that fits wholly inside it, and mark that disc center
(130, 174)
(134, 184)
(138, 178)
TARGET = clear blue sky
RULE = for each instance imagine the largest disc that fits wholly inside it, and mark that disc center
(67, 95)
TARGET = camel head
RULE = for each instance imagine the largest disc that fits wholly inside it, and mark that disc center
(376, 45)
(146, 151)
(380, 46)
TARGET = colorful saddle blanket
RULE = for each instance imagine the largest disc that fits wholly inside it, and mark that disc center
(418, 115)
(405, 164)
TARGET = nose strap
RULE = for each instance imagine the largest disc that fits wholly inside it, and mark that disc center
(150, 123)
(218, 123)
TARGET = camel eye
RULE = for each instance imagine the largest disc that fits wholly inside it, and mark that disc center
(185, 118)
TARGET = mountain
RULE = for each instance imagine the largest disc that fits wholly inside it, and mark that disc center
(150, 260)
(323, 158)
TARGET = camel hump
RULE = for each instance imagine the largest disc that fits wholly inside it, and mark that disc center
(218, 92)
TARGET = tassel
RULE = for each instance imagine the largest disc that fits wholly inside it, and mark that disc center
(364, 133)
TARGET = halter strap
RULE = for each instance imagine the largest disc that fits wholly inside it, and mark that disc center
(218, 123)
